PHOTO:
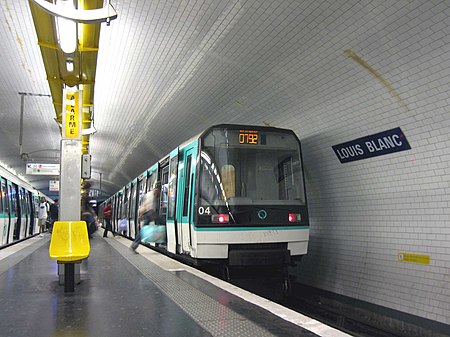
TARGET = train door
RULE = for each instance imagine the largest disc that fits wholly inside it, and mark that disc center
(164, 191)
(13, 212)
(120, 208)
(4, 214)
(114, 213)
(125, 209)
(36, 202)
(30, 206)
(163, 178)
(173, 240)
(132, 202)
(184, 201)
(23, 213)
(140, 190)
(151, 185)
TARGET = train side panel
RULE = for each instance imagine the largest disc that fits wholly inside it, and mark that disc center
(4, 214)
(18, 219)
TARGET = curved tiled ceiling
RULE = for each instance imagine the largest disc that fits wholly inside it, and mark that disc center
(168, 69)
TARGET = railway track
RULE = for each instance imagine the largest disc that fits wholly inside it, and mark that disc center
(312, 305)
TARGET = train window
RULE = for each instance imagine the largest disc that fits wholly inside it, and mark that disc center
(21, 201)
(30, 212)
(151, 182)
(142, 186)
(113, 209)
(36, 201)
(117, 206)
(3, 207)
(126, 198)
(267, 172)
(147, 183)
(172, 195)
(13, 199)
(121, 212)
(27, 202)
(133, 202)
(228, 174)
(164, 192)
(187, 185)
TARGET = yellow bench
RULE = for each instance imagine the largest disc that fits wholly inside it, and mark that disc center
(69, 242)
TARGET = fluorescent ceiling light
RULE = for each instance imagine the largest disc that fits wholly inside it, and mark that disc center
(67, 29)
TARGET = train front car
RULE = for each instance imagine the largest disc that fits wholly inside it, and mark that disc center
(251, 206)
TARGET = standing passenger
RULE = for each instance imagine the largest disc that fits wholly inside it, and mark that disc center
(87, 215)
(42, 216)
(107, 216)
(54, 214)
(123, 225)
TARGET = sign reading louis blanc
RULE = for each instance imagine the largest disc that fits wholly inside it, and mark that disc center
(372, 146)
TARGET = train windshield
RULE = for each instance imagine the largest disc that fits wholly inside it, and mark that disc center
(251, 167)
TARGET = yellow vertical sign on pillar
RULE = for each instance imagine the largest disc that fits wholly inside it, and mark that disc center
(72, 114)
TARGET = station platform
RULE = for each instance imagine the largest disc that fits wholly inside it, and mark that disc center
(126, 294)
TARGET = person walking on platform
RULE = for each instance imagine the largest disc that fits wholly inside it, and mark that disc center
(107, 216)
(42, 216)
(147, 214)
(87, 215)
(54, 214)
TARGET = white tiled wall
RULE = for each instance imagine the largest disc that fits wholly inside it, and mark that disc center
(365, 212)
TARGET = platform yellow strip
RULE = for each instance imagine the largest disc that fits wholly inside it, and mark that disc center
(413, 258)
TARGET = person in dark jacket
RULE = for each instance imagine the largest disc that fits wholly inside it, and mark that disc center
(87, 215)
(54, 214)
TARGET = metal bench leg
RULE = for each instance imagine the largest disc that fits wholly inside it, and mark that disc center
(69, 277)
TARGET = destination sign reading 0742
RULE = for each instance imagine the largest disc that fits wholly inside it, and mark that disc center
(248, 137)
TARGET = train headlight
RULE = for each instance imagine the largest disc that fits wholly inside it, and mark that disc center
(295, 217)
(220, 218)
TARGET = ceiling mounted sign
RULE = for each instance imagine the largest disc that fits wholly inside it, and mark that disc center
(378, 144)
(53, 186)
(42, 169)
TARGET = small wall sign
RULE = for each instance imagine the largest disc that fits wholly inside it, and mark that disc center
(413, 258)
(378, 144)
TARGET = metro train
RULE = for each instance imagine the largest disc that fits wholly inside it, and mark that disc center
(233, 196)
(18, 203)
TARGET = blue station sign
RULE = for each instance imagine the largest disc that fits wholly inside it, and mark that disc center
(379, 144)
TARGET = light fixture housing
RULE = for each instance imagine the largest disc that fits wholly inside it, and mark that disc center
(67, 29)
(89, 131)
(91, 16)
(69, 65)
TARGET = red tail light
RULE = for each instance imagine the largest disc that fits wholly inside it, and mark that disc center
(295, 217)
(220, 218)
